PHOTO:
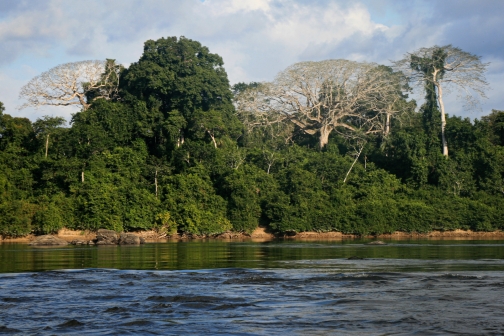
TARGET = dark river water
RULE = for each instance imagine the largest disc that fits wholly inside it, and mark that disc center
(243, 288)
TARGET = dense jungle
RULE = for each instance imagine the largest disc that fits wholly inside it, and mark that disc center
(168, 145)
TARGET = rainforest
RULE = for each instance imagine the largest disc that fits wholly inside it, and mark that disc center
(167, 144)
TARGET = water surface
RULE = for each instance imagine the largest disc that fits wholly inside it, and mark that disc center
(244, 288)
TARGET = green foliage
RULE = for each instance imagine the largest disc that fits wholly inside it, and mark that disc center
(16, 134)
(414, 216)
(242, 86)
(99, 205)
(103, 126)
(195, 206)
(164, 224)
(246, 189)
(113, 195)
(178, 91)
(16, 218)
(139, 209)
(181, 73)
(375, 216)
(48, 219)
(493, 127)
(167, 153)
(307, 207)
(47, 129)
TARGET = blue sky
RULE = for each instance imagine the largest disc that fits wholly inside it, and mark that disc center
(256, 38)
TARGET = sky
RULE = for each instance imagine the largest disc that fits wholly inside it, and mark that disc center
(256, 38)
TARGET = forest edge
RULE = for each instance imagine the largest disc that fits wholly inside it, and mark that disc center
(261, 234)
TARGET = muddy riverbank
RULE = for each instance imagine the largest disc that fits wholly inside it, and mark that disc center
(261, 234)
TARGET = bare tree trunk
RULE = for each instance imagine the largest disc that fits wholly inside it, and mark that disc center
(325, 131)
(82, 101)
(270, 159)
(180, 140)
(82, 176)
(155, 183)
(443, 119)
(47, 145)
(353, 163)
(213, 138)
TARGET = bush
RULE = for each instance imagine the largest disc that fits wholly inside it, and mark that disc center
(165, 224)
(414, 216)
(140, 209)
(376, 216)
(194, 205)
(16, 218)
(48, 219)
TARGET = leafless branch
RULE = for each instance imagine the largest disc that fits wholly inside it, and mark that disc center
(320, 97)
(70, 83)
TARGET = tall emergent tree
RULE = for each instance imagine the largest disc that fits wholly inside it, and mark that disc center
(333, 95)
(71, 84)
(443, 68)
(181, 83)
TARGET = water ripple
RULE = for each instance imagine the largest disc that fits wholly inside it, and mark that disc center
(250, 302)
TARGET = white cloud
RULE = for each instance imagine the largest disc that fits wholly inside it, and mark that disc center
(256, 38)
(226, 7)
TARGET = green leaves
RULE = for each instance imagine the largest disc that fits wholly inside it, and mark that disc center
(167, 152)
(194, 205)
(246, 190)
(16, 218)
(48, 219)
(180, 73)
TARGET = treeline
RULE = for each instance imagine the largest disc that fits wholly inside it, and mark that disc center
(172, 151)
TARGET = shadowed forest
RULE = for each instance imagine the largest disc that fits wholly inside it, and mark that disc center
(168, 145)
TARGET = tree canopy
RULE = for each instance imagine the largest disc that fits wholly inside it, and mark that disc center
(178, 74)
(336, 145)
(445, 68)
(326, 96)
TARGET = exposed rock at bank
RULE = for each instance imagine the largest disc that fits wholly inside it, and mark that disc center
(232, 235)
(106, 237)
(130, 239)
(48, 240)
(77, 237)
(259, 234)
(110, 237)
(82, 242)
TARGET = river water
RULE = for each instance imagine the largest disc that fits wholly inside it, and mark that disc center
(416, 287)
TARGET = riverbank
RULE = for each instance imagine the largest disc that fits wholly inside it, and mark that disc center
(398, 235)
(261, 234)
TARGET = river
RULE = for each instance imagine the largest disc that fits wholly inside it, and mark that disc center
(410, 287)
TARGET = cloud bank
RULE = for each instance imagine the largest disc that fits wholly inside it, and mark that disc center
(256, 39)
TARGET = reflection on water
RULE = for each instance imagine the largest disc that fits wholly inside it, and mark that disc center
(415, 287)
(219, 254)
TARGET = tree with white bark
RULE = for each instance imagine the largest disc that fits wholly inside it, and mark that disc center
(326, 96)
(443, 69)
(76, 83)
